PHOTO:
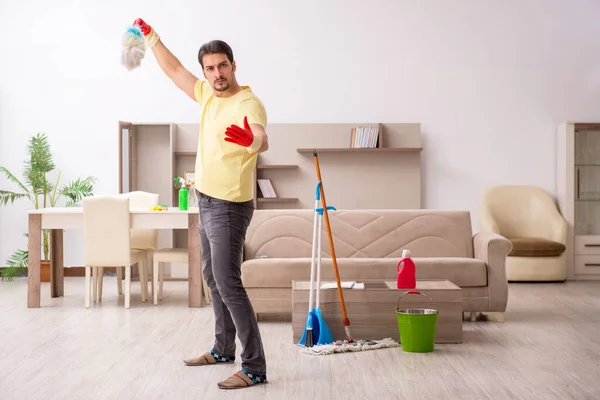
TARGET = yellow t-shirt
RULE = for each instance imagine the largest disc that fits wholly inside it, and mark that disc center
(225, 170)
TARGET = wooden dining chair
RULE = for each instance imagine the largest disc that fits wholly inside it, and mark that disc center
(170, 255)
(107, 243)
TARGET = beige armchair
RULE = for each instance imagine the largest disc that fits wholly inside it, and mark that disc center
(529, 218)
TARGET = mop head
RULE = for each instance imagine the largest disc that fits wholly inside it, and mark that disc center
(133, 48)
(344, 346)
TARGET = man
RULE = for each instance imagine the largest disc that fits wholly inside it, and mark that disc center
(232, 133)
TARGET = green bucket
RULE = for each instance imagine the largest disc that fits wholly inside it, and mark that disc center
(417, 326)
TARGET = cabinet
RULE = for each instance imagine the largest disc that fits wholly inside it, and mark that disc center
(148, 162)
(578, 192)
(273, 173)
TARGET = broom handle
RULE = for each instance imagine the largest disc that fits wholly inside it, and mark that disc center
(335, 266)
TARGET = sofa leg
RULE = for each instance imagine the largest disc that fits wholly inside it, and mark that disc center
(494, 316)
(256, 316)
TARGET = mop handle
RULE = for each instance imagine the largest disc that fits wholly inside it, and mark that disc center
(312, 261)
(320, 229)
(335, 266)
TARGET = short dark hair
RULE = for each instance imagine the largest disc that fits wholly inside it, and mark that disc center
(215, 47)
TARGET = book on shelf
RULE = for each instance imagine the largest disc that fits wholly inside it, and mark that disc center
(266, 188)
(364, 137)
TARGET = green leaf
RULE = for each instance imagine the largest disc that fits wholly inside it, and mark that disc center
(11, 177)
(39, 163)
(77, 190)
(10, 197)
(40, 154)
(16, 265)
(53, 196)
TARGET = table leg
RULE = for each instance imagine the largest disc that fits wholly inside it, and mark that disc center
(194, 262)
(57, 283)
(34, 260)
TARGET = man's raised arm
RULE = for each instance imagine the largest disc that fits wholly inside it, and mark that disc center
(170, 65)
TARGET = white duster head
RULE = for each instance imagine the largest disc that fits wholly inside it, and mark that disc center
(133, 48)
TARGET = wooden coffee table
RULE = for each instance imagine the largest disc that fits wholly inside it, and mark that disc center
(372, 310)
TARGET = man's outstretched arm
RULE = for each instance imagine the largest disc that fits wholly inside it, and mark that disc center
(170, 64)
(252, 136)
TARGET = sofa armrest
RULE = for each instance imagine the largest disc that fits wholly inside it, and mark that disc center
(493, 249)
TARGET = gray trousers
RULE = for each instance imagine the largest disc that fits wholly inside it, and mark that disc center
(222, 226)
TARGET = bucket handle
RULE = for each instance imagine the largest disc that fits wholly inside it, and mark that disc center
(415, 292)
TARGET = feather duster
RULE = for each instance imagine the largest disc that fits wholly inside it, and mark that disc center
(133, 48)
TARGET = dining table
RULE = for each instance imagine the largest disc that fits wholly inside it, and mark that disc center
(58, 219)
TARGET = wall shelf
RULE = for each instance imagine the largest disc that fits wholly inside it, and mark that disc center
(368, 150)
(276, 166)
(262, 171)
(276, 199)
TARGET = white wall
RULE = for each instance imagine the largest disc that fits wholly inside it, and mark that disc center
(488, 80)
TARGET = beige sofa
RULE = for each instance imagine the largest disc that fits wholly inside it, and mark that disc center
(368, 244)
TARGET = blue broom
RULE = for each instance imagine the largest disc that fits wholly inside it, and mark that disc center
(307, 338)
(316, 331)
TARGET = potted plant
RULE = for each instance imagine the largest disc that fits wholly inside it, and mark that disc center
(37, 186)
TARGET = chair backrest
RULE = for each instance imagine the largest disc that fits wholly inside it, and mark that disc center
(517, 211)
(106, 230)
(143, 238)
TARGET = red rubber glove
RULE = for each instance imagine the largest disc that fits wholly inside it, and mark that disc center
(244, 137)
(149, 34)
(145, 28)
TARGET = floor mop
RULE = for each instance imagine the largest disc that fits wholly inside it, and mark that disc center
(316, 331)
(349, 344)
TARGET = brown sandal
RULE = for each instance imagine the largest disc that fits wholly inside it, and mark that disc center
(209, 358)
(241, 379)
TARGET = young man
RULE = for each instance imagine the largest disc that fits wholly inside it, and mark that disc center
(232, 133)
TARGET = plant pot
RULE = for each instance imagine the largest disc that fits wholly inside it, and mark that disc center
(45, 271)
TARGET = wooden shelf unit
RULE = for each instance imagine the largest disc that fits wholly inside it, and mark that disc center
(152, 154)
(370, 150)
(578, 169)
(148, 162)
(258, 174)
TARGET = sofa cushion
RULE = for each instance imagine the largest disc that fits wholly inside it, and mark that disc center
(535, 247)
(280, 272)
(361, 233)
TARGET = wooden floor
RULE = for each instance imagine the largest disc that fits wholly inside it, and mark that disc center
(548, 348)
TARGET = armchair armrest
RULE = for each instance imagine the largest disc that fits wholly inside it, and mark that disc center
(493, 249)
(558, 228)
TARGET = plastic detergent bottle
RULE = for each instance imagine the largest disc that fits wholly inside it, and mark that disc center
(183, 196)
(407, 272)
